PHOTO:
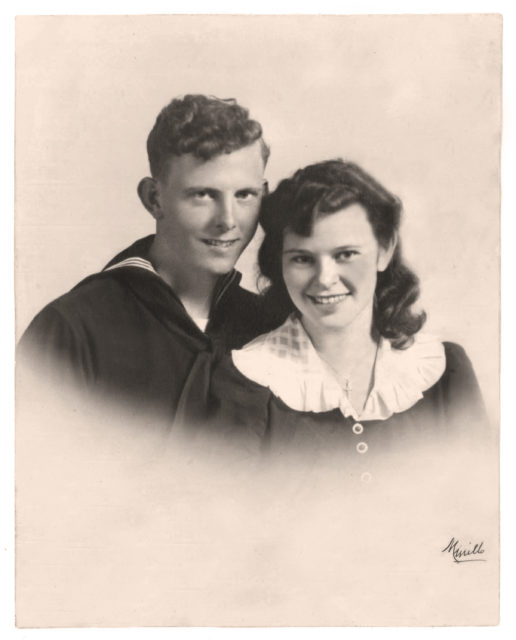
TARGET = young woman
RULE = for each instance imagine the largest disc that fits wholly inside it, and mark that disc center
(350, 370)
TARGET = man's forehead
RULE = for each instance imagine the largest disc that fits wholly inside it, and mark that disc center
(245, 163)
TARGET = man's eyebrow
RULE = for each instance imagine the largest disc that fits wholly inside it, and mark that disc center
(195, 188)
(192, 188)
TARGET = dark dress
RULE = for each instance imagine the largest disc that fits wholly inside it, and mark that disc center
(243, 413)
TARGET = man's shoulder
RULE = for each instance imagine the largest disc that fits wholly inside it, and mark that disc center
(246, 315)
(140, 249)
(252, 301)
(245, 296)
(104, 290)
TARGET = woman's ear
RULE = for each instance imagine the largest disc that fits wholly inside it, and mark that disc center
(148, 191)
(385, 254)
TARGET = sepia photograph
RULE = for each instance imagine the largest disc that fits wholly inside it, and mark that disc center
(257, 281)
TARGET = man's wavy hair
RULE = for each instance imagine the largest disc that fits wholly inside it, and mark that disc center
(203, 125)
(322, 189)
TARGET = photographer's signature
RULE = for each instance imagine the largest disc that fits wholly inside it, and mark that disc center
(463, 553)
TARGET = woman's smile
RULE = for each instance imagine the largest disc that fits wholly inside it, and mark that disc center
(326, 299)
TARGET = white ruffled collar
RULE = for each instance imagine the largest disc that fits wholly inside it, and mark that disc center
(286, 362)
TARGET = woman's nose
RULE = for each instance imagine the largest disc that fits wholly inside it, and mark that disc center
(327, 274)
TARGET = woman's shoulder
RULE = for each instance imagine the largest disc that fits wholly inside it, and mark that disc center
(448, 359)
(456, 356)
(459, 376)
(444, 357)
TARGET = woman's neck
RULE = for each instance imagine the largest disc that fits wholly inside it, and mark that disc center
(348, 344)
(350, 353)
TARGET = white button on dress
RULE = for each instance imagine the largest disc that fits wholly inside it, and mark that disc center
(362, 447)
(357, 428)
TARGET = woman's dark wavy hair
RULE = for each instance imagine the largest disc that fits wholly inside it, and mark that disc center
(319, 190)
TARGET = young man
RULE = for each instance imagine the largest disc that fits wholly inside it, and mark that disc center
(148, 329)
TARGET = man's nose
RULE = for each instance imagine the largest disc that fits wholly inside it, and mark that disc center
(327, 272)
(225, 213)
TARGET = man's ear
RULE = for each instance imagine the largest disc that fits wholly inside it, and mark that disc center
(148, 192)
(385, 254)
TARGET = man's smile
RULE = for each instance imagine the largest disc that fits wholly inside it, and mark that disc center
(221, 244)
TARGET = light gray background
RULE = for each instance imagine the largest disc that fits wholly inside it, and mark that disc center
(414, 99)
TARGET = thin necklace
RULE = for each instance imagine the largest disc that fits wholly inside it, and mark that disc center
(344, 380)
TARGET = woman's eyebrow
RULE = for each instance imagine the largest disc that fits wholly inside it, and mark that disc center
(343, 247)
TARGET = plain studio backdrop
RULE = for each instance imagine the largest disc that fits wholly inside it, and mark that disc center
(416, 101)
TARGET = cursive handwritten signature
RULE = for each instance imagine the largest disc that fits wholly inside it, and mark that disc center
(461, 553)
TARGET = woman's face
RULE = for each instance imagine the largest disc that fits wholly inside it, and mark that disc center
(331, 275)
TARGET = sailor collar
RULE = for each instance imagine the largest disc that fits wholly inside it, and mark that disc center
(286, 362)
(223, 284)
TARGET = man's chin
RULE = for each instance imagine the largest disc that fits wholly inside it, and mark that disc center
(218, 267)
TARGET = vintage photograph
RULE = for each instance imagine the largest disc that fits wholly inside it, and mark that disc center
(257, 320)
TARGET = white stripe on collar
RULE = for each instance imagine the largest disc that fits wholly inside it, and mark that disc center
(135, 261)
(286, 362)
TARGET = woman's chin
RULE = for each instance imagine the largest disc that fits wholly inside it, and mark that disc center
(328, 321)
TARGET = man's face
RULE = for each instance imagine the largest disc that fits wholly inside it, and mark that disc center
(208, 210)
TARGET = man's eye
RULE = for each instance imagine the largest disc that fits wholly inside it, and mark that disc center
(202, 194)
(247, 194)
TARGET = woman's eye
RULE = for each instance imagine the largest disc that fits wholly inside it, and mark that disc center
(302, 260)
(346, 256)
